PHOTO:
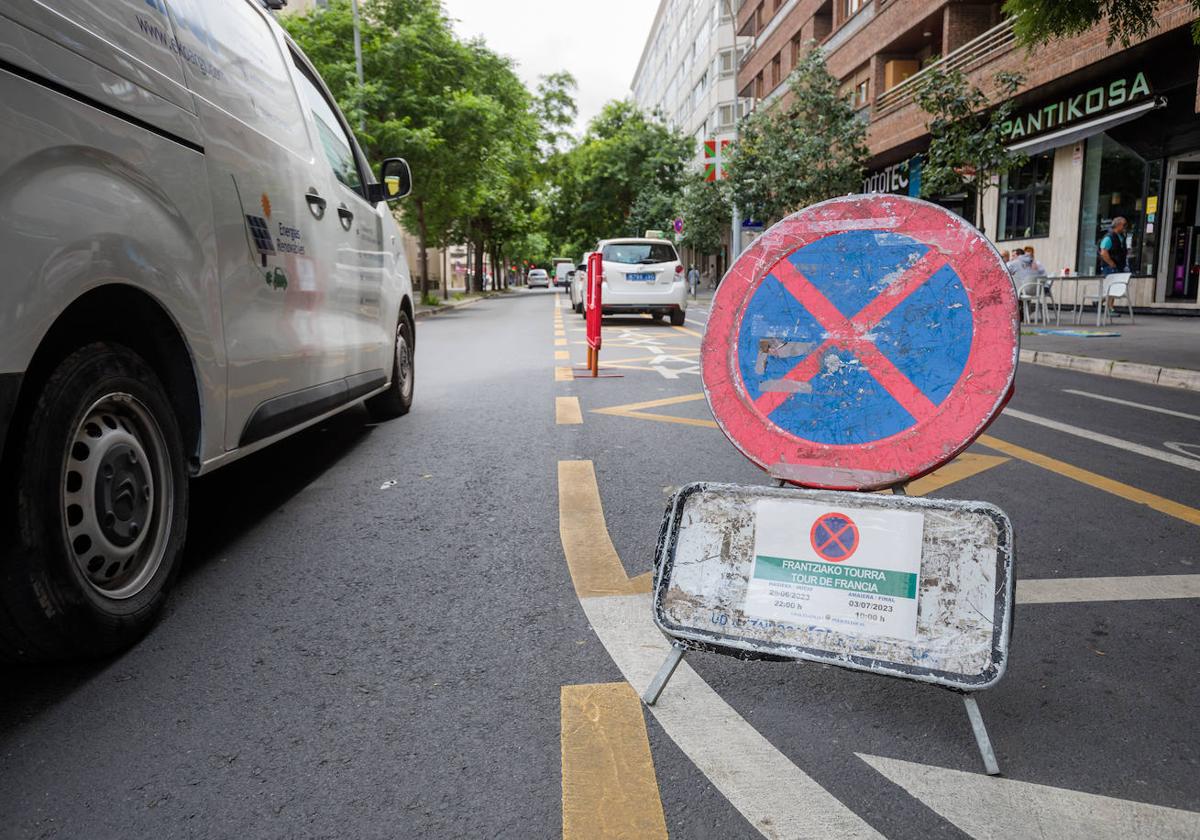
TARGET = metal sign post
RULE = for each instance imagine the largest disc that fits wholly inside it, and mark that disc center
(856, 345)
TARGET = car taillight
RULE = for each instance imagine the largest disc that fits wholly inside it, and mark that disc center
(679, 269)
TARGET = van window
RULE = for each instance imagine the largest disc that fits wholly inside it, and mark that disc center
(635, 253)
(232, 59)
(339, 150)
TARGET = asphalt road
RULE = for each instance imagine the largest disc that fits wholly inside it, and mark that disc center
(376, 624)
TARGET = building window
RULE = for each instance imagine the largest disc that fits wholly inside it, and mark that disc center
(862, 93)
(776, 71)
(851, 8)
(1025, 199)
(728, 63)
(1117, 182)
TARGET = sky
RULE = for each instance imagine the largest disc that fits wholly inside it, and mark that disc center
(598, 41)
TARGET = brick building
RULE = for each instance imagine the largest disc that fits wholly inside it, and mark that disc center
(1108, 131)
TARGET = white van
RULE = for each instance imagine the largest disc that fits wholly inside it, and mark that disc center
(198, 262)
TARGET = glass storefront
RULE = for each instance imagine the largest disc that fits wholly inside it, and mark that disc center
(1117, 181)
(1025, 199)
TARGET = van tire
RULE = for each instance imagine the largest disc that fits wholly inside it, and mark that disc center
(397, 400)
(101, 511)
(677, 317)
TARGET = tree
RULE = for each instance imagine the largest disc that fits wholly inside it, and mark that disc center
(810, 148)
(1039, 21)
(596, 183)
(967, 141)
(555, 110)
(706, 211)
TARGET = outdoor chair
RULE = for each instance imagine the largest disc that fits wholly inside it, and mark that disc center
(1038, 294)
(1113, 288)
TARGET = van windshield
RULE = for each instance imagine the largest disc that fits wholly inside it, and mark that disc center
(639, 253)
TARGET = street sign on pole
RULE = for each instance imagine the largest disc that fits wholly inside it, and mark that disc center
(861, 342)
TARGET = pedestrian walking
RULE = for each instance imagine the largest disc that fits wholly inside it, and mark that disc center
(693, 278)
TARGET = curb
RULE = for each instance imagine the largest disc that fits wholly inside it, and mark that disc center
(458, 304)
(1150, 374)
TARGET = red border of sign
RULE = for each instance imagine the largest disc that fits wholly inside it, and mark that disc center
(812, 537)
(980, 394)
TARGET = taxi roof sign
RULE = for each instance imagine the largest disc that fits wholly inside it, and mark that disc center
(860, 343)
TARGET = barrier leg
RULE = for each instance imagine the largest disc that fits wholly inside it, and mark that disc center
(664, 674)
(981, 736)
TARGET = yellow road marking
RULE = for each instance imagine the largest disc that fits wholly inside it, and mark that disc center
(560, 342)
(609, 789)
(562, 356)
(1108, 485)
(689, 332)
(563, 374)
(566, 411)
(962, 467)
(681, 354)
(634, 409)
(596, 569)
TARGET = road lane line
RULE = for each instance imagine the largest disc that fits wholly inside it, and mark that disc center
(560, 342)
(1099, 482)
(609, 789)
(990, 808)
(595, 567)
(772, 793)
(1097, 437)
(963, 467)
(563, 374)
(566, 411)
(1087, 590)
(686, 331)
(1132, 404)
(562, 355)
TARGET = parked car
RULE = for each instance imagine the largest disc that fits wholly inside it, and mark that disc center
(577, 291)
(539, 279)
(643, 276)
(199, 262)
(561, 270)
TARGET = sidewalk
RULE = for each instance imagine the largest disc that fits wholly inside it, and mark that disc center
(1158, 349)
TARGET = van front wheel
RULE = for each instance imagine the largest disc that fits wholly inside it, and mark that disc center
(398, 398)
(102, 496)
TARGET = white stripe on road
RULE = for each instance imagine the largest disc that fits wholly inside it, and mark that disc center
(1132, 404)
(1083, 590)
(1107, 440)
(776, 796)
(988, 808)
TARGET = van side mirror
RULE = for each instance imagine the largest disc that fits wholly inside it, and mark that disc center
(395, 181)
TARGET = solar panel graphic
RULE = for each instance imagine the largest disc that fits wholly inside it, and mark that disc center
(262, 236)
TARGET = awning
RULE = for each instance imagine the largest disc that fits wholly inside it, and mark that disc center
(1083, 130)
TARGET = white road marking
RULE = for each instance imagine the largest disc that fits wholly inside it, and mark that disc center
(776, 796)
(989, 808)
(1083, 590)
(1107, 440)
(1183, 448)
(1133, 404)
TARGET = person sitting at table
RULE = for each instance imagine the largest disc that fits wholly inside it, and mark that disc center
(1025, 267)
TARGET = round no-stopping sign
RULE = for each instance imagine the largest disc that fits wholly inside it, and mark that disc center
(861, 342)
(834, 537)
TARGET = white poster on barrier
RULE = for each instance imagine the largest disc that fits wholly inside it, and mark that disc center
(819, 567)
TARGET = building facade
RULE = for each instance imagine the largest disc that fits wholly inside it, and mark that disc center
(688, 76)
(1108, 131)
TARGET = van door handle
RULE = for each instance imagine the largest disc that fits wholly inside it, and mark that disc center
(345, 217)
(316, 204)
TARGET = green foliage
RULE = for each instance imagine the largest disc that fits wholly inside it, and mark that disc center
(430, 299)
(596, 184)
(809, 149)
(707, 213)
(967, 143)
(1039, 21)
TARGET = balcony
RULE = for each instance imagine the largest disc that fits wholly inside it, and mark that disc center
(973, 54)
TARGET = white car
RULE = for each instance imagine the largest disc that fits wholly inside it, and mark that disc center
(561, 270)
(643, 276)
(539, 279)
(198, 262)
(577, 290)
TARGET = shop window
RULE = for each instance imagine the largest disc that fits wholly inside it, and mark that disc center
(1025, 199)
(1117, 182)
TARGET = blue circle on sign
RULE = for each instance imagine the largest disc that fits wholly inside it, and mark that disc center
(855, 337)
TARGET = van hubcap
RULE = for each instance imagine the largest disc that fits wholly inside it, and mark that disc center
(117, 496)
(404, 364)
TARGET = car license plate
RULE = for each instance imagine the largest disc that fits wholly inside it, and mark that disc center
(641, 277)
